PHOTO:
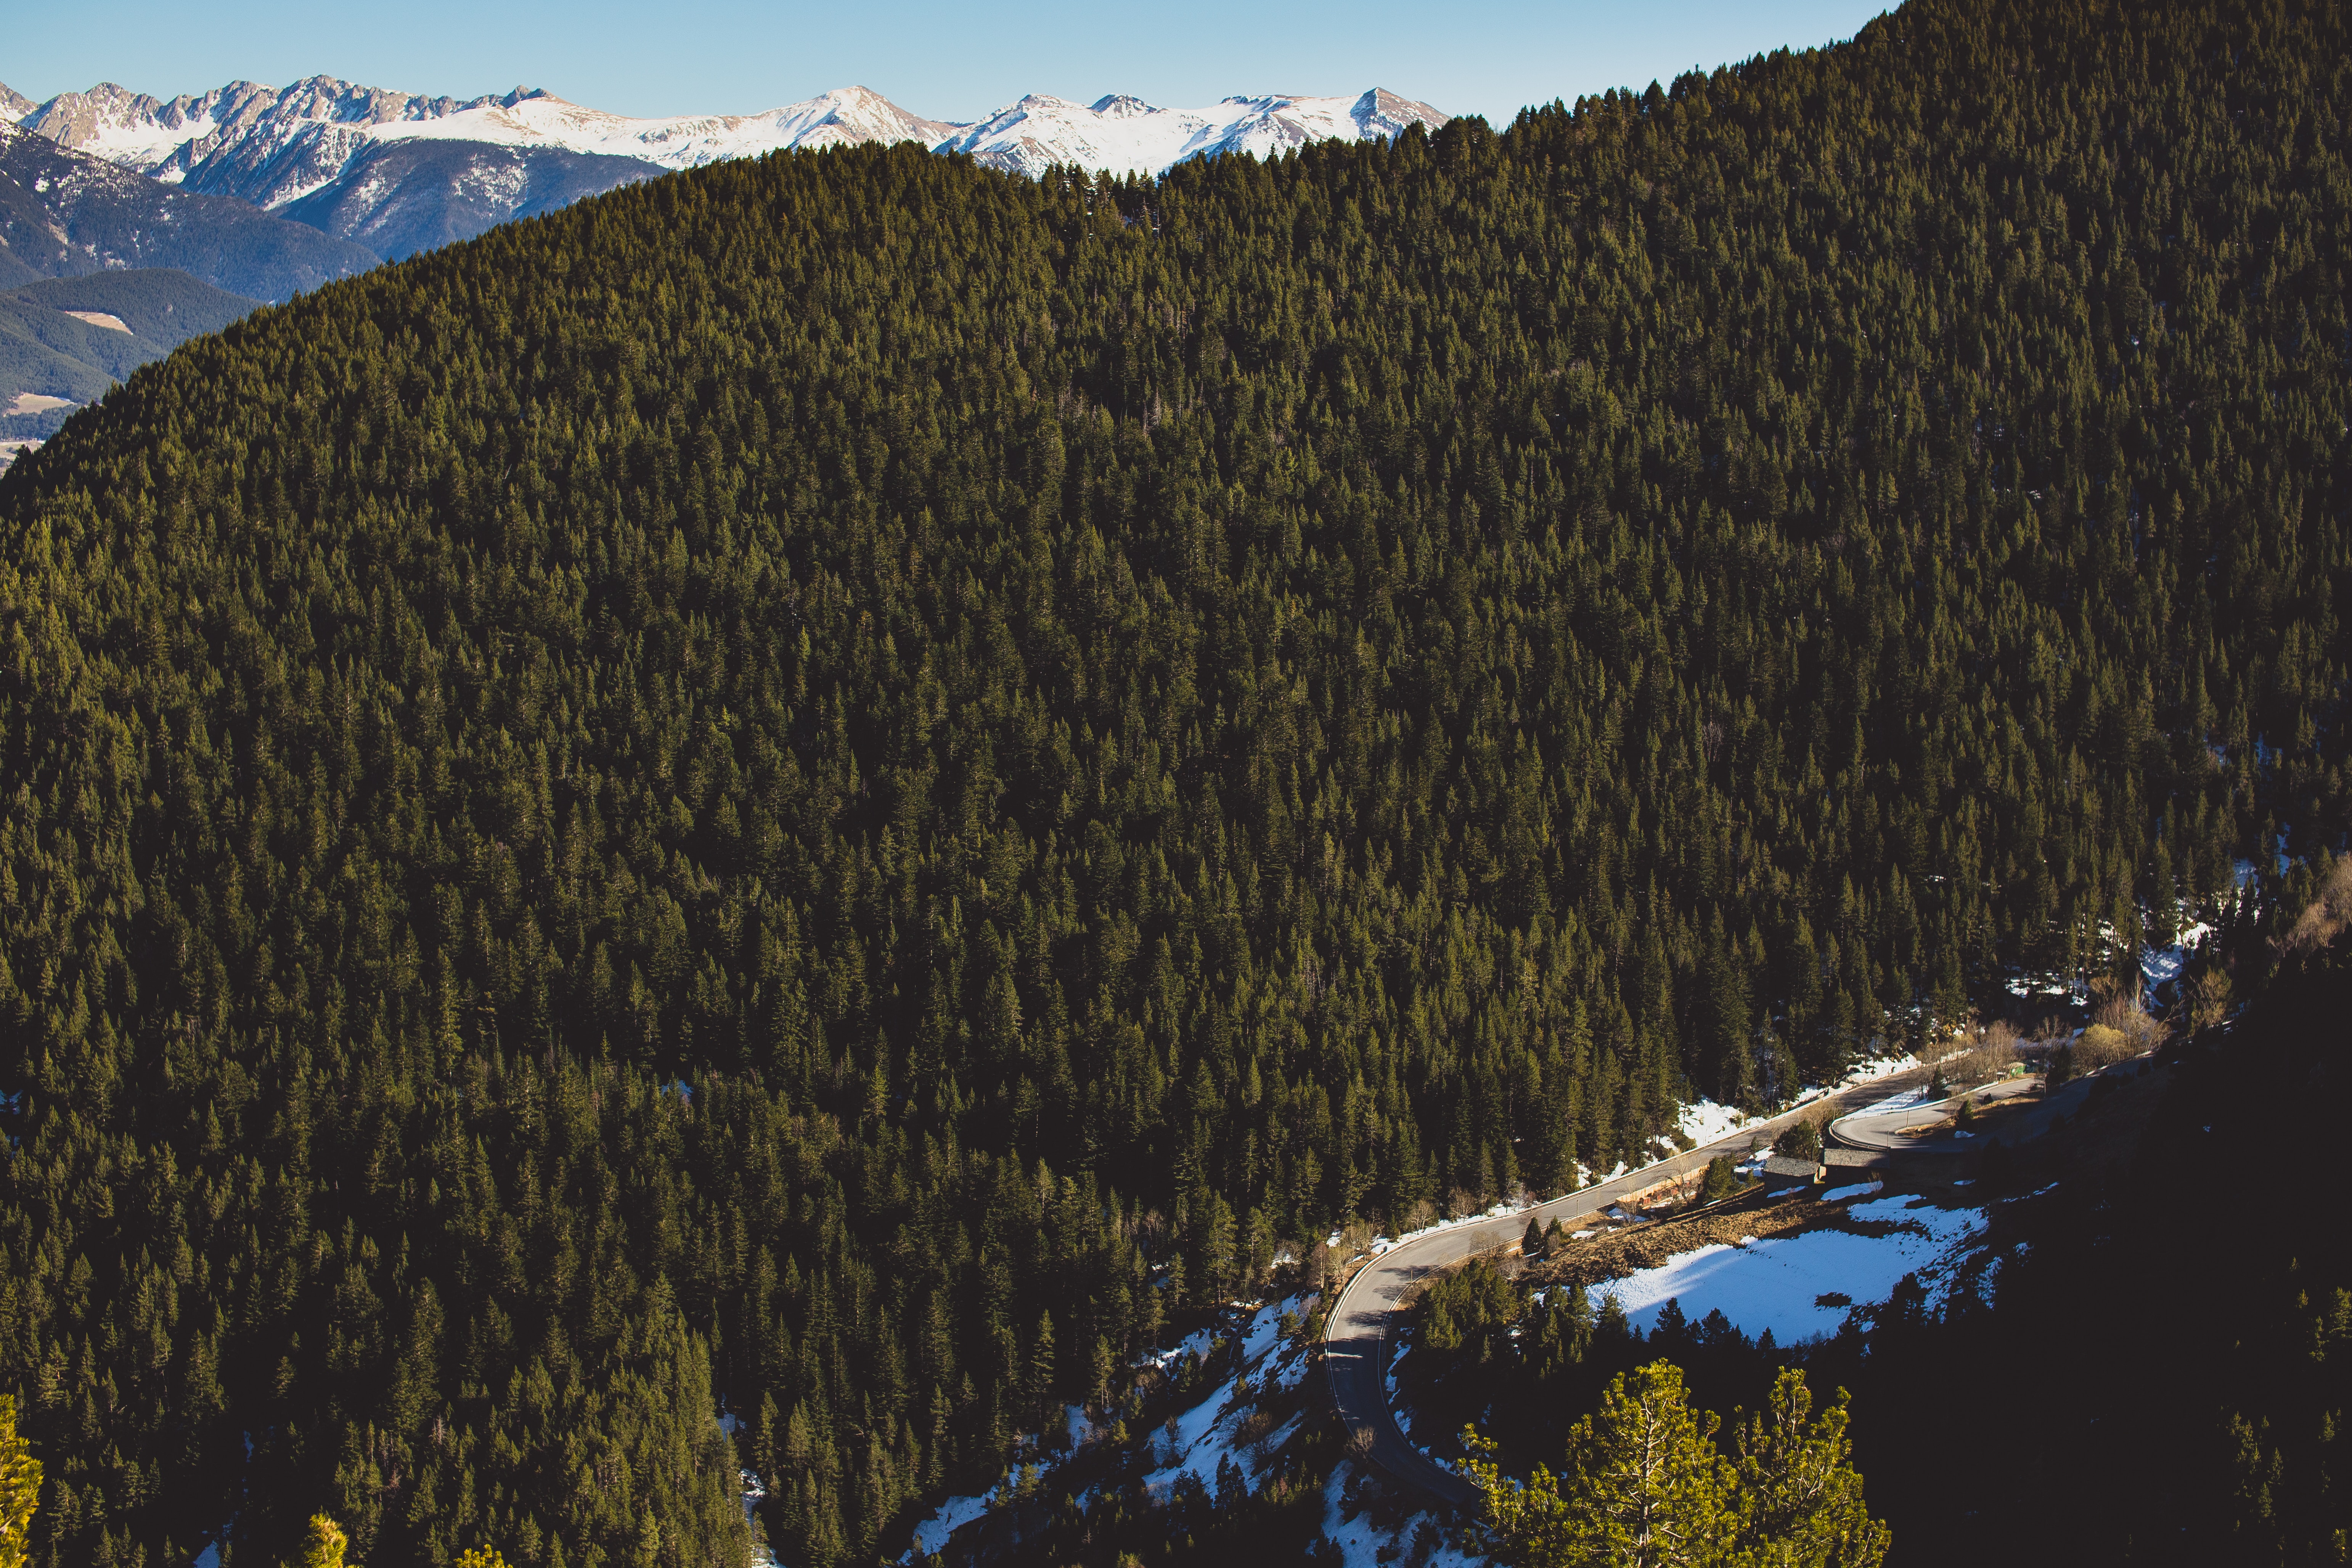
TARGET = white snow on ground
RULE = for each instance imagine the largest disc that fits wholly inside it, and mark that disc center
(1775, 1283)
(1205, 1435)
(1366, 1546)
(752, 1495)
(2065, 987)
(2162, 963)
(1847, 1194)
(1703, 1121)
(1871, 1073)
(1196, 1343)
(949, 1517)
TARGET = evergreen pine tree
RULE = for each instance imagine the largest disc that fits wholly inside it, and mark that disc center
(20, 1487)
(1800, 1501)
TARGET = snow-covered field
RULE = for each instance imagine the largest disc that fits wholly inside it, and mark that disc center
(1779, 1282)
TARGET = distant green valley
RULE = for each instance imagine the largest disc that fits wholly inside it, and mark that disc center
(65, 341)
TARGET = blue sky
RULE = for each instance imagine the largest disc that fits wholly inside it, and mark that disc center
(947, 61)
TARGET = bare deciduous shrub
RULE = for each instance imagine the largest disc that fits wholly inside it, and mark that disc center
(2141, 1031)
(1986, 1054)
(2099, 1047)
(2324, 916)
(2209, 999)
(1253, 1429)
(2120, 1032)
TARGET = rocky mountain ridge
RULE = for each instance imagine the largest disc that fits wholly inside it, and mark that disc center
(64, 214)
(400, 173)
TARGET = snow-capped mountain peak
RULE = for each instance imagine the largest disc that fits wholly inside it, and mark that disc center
(1121, 106)
(540, 120)
(400, 172)
(1129, 136)
(276, 145)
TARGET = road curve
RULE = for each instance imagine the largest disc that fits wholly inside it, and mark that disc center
(1364, 1321)
(1884, 1132)
(1889, 1132)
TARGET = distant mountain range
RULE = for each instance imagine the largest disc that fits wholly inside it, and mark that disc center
(250, 193)
(398, 173)
(64, 214)
(81, 239)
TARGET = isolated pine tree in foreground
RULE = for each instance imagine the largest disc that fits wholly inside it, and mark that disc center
(323, 1547)
(1645, 1487)
(20, 1487)
(1798, 1496)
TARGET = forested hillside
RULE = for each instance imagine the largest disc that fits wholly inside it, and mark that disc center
(781, 786)
(140, 314)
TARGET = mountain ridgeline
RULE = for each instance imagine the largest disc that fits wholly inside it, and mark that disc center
(841, 785)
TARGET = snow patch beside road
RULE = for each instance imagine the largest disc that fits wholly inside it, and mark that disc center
(1205, 1436)
(1364, 1544)
(1780, 1282)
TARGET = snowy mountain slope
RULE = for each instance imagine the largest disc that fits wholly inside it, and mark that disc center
(542, 119)
(1128, 136)
(261, 144)
(64, 214)
(400, 172)
(400, 197)
(324, 153)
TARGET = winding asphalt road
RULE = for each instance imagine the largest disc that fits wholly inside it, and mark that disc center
(1888, 1131)
(1365, 1319)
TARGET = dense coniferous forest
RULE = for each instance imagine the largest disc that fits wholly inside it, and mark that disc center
(841, 784)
